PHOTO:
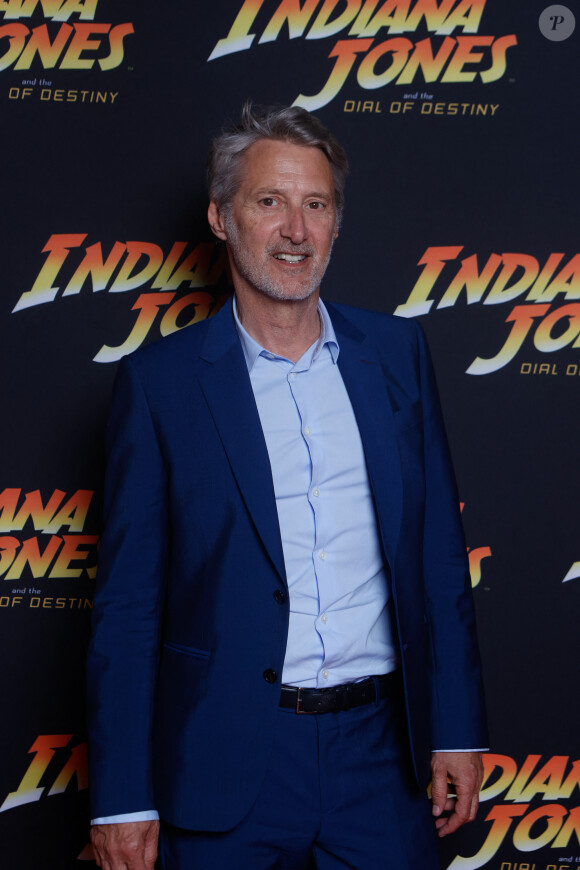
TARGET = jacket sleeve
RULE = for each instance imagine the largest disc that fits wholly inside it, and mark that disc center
(124, 649)
(457, 704)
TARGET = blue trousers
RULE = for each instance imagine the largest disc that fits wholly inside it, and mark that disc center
(338, 794)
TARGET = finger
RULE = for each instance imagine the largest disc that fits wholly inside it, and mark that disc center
(439, 792)
(448, 806)
(458, 817)
(474, 805)
(447, 825)
(446, 813)
(463, 806)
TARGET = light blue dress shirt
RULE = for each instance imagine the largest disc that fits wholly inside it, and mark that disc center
(340, 621)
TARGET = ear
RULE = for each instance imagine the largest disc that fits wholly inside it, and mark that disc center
(216, 221)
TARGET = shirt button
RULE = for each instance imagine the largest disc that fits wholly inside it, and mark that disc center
(322, 555)
(316, 492)
(308, 431)
(270, 676)
(279, 596)
(324, 618)
(325, 674)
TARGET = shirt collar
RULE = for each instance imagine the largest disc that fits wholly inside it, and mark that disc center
(252, 349)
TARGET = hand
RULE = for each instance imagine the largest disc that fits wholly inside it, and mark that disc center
(464, 771)
(125, 845)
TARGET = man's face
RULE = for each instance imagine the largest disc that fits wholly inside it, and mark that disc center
(281, 223)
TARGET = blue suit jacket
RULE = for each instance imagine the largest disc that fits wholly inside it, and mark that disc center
(186, 621)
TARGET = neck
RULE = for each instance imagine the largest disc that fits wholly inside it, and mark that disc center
(286, 328)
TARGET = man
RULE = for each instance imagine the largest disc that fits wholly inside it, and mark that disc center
(283, 632)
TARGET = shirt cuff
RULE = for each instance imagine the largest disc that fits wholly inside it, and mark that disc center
(144, 816)
(461, 750)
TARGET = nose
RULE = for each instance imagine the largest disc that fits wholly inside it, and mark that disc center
(294, 225)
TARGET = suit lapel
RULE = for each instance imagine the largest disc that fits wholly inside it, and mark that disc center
(226, 385)
(362, 374)
(227, 389)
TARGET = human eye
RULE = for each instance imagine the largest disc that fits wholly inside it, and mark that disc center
(268, 201)
(316, 205)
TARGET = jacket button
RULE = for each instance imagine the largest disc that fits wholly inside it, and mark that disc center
(270, 676)
(279, 596)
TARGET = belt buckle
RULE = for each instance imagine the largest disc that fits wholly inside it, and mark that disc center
(298, 710)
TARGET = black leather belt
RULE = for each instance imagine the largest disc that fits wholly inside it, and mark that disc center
(337, 698)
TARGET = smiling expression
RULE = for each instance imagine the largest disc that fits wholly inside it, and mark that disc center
(281, 223)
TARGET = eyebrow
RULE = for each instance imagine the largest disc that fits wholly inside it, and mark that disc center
(276, 191)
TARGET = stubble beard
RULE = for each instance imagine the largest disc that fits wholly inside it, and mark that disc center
(256, 274)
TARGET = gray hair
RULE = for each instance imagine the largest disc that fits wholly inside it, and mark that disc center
(286, 124)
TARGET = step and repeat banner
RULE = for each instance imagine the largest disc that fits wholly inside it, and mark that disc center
(461, 121)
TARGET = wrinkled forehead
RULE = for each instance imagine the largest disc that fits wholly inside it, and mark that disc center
(273, 163)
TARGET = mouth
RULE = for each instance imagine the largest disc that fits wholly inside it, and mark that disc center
(290, 258)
